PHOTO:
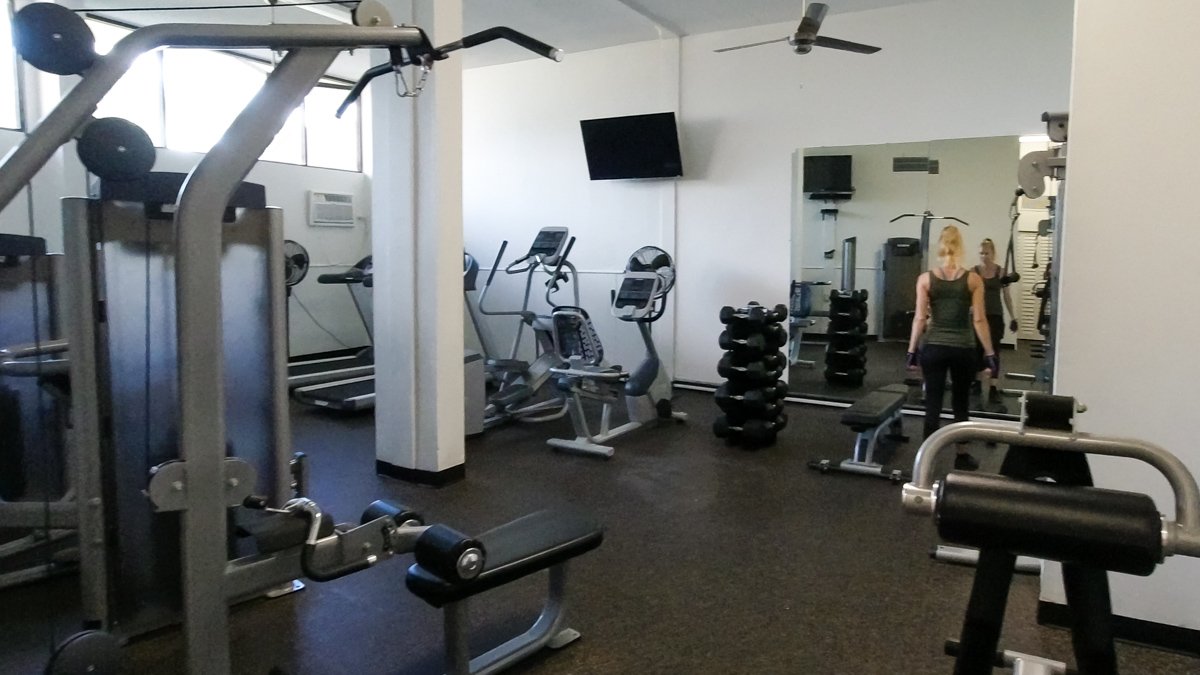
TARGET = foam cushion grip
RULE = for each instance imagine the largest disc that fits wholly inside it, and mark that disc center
(1107, 529)
(873, 409)
(514, 550)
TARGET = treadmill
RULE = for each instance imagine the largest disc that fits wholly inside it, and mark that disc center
(355, 388)
(347, 366)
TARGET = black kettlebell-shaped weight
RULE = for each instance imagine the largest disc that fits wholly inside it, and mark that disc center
(116, 149)
(53, 39)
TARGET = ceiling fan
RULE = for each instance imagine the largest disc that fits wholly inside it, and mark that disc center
(805, 37)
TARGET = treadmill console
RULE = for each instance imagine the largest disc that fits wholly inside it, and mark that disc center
(635, 298)
(548, 245)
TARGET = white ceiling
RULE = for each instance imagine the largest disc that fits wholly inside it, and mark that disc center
(571, 25)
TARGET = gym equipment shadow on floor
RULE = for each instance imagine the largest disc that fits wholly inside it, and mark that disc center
(716, 560)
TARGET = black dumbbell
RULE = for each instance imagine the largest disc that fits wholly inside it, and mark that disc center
(751, 372)
(754, 344)
(753, 432)
(850, 377)
(856, 349)
(769, 360)
(754, 313)
(729, 398)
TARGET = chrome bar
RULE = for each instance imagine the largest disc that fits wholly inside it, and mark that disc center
(201, 360)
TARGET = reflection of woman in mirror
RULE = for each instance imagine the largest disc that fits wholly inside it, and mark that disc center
(950, 303)
(993, 290)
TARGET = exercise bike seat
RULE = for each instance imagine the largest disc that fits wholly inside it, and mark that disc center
(514, 550)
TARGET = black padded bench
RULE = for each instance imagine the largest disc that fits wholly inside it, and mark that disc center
(538, 541)
(873, 417)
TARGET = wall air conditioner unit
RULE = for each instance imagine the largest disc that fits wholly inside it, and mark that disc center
(329, 209)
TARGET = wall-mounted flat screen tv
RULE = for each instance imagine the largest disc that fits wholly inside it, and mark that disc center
(634, 146)
(829, 173)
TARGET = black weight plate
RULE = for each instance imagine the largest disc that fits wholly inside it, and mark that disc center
(91, 652)
(53, 39)
(116, 149)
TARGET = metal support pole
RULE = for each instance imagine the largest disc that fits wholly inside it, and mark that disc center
(849, 262)
(201, 374)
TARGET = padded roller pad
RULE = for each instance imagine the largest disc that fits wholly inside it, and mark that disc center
(1105, 529)
(874, 409)
(514, 550)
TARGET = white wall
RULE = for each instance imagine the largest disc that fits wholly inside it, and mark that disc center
(948, 69)
(1129, 205)
(524, 169)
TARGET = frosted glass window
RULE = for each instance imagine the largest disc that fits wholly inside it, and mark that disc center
(332, 143)
(137, 96)
(204, 92)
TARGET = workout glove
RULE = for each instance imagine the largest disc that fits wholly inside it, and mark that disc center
(1012, 325)
(912, 359)
(993, 365)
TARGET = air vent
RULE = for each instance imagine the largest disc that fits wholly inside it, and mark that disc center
(914, 165)
(329, 209)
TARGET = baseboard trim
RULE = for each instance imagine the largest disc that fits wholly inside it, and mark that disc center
(1140, 631)
(435, 479)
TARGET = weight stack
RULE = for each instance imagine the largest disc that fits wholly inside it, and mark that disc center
(751, 399)
(846, 355)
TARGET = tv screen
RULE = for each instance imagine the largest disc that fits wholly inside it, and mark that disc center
(829, 173)
(636, 146)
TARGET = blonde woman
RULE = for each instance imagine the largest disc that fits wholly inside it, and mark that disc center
(994, 290)
(950, 303)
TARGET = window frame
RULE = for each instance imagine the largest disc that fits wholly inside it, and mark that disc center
(326, 82)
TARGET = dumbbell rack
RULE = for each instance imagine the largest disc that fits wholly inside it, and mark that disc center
(751, 399)
(846, 355)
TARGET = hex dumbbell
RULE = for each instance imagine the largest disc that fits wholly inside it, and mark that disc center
(749, 371)
(754, 314)
(758, 399)
(753, 344)
(754, 432)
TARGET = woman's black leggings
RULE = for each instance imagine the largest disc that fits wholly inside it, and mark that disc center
(935, 361)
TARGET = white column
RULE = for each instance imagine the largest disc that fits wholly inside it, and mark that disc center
(416, 201)
(1127, 322)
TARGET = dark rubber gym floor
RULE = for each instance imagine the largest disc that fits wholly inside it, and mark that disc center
(716, 560)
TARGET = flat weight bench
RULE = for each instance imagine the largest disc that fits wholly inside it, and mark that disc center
(874, 417)
(541, 540)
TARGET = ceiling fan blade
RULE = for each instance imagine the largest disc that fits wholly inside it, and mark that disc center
(752, 44)
(813, 17)
(844, 45)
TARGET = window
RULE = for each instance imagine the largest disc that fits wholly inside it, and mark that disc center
(137, 96)
(10, 113)
(186, 99)
(332, 143)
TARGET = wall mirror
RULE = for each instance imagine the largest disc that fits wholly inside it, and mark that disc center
(861, 214)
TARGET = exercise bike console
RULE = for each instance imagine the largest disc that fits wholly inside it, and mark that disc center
(634, 300)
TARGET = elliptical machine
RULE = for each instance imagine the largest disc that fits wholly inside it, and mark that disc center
(519, 382)
(641, 299)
